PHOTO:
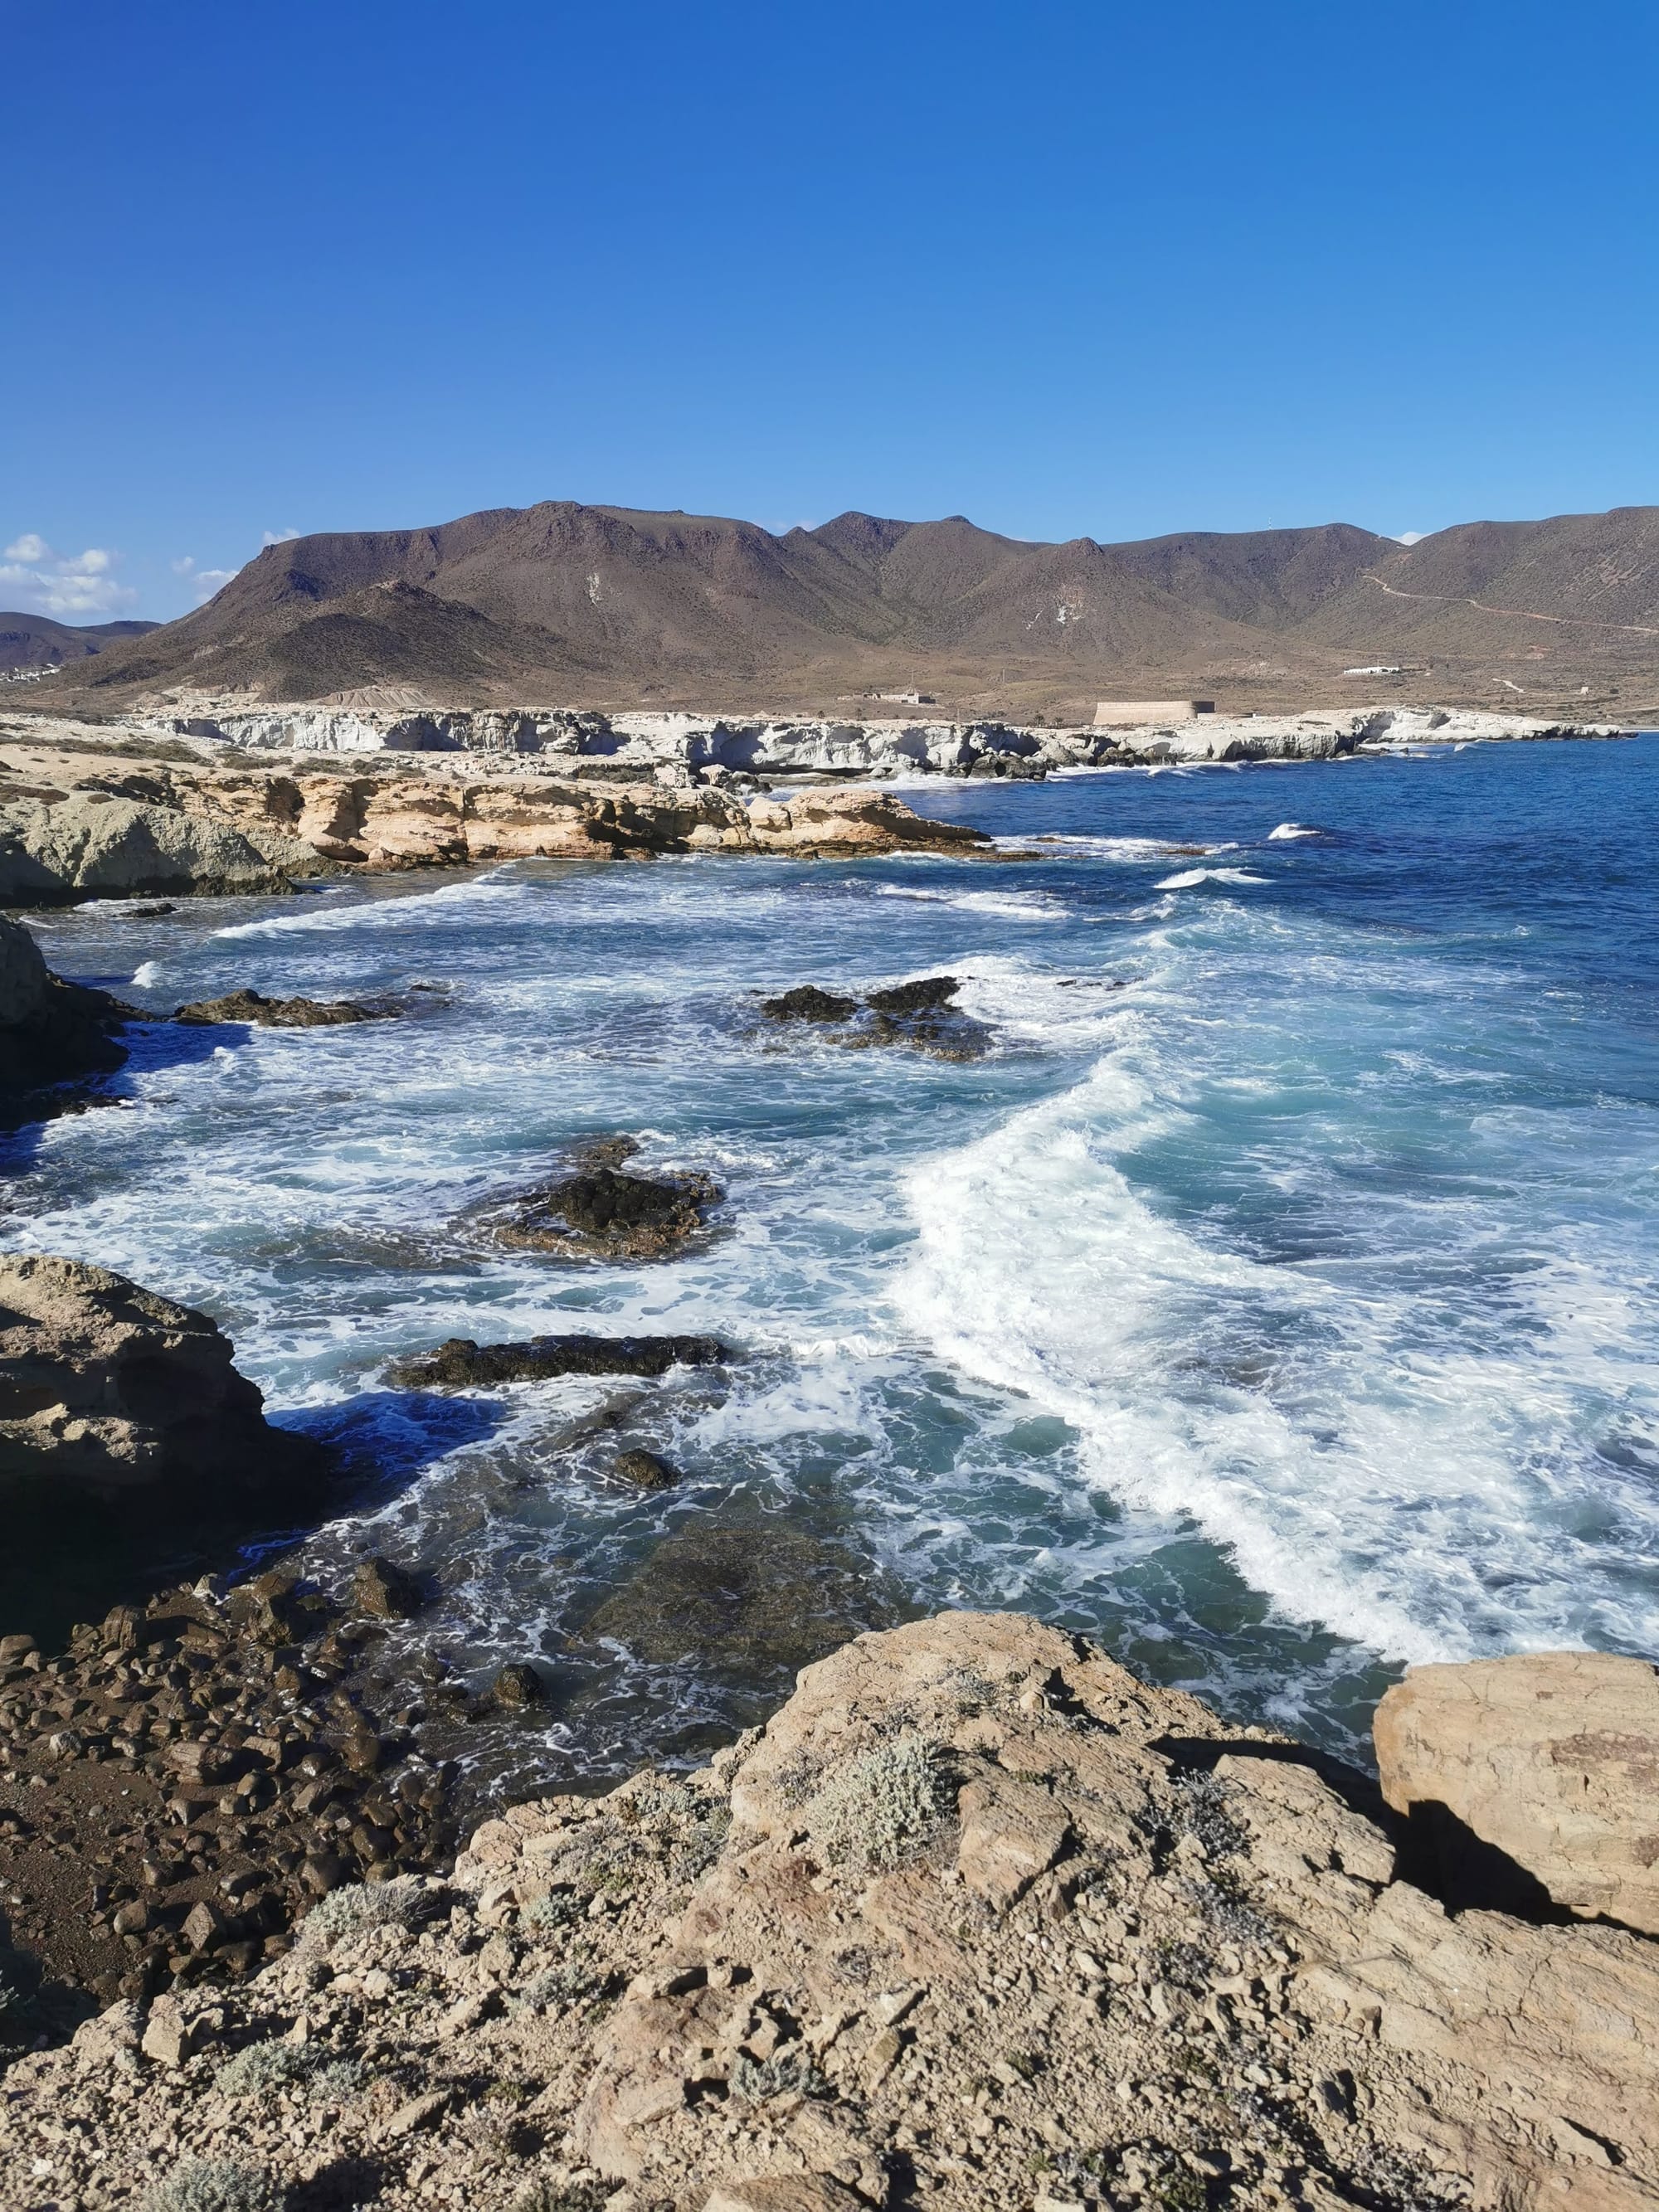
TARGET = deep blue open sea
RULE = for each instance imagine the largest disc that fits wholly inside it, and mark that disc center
(1276, 1302)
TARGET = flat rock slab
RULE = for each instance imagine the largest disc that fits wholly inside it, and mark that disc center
(461, 1364)
(253, 1008)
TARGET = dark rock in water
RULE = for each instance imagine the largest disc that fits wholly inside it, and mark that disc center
(515, 1688)
(917, 1014)
(942, 1035)
(753, 1603)
(254, 1008)
(112, 1389)
(462, 1364)
(645, 1469)
(923, 996)
(807, 1003)
(601, 1213)
(384, 1590)
(147, 911)
(51, 1033)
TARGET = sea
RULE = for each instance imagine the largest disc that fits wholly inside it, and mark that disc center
(1274, 1302)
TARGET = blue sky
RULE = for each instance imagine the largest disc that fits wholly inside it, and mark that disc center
(1102, 270)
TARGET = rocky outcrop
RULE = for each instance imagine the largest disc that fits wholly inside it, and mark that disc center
(93, 845)
(253, 1008)
(918, 1014)
(51, 1033)
(108, 1389)
(977, 1919)
(461, 1364)
(1546, 1764)
(166, 826)
(601, 1213)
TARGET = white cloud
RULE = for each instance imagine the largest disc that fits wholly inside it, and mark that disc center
(205, 581)
(71, 586)
(1410, 537)
(278, 537)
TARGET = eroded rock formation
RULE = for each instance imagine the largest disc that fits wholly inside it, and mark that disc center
(978, 1920)
(167, 826)
(106, 1387)
(52, 1032)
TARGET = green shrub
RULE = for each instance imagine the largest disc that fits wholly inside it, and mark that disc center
(880, 1808)
(265, 2068)
(786, 2072)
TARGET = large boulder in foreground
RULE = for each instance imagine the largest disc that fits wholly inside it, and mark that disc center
(110, 1388)
(1545, 1766)
(51, 1032)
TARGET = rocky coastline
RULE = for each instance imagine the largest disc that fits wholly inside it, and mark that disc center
(247, 802)
(73, 831)
(977, 1919)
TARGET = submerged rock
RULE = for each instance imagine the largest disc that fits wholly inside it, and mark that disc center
(254, 1008)
(385, 1591)
(645, 1470)
(112, 1387)
(754, 1601)
(517, 1687)
(461, 1364)
(51, 1033)
(1537, 1771)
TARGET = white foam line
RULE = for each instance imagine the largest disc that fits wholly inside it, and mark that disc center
(1367, 1484)
(1191, 878)
(391, 913)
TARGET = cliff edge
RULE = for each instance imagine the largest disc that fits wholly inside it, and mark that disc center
(978, 1920)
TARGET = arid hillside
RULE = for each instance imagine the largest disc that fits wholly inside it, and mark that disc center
(610, 607)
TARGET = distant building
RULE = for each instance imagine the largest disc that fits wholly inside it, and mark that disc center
(1122, 714)
(909, 698)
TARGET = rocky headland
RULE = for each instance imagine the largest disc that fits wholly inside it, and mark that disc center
(978, 1920)
(53, 1034)
(73, 826)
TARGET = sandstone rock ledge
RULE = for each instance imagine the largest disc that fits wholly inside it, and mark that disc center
(164, 827)
(978, 1920)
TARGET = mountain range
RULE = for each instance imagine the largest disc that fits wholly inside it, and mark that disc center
(38, 641)
(561, 604)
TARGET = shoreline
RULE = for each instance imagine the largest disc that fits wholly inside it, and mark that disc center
(979, 1917)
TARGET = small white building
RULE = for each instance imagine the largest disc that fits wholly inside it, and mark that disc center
(1126, 713)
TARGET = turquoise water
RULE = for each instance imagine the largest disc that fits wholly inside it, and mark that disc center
(1276, 1301)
